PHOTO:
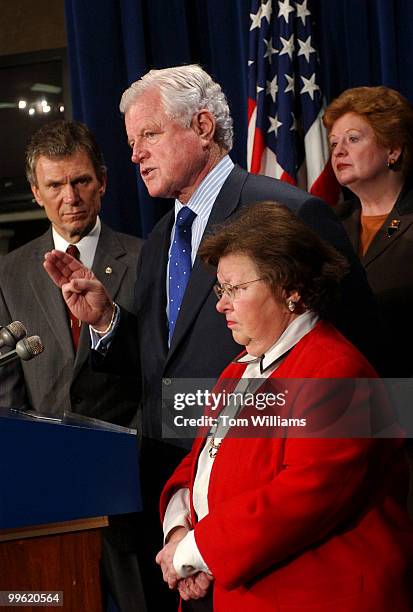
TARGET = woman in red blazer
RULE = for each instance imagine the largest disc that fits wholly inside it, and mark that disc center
(286, 523)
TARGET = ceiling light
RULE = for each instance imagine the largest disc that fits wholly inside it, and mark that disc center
(46, 88)
(22, 104)
(31, 111)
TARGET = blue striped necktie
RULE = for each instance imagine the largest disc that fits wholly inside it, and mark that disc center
(180, 264)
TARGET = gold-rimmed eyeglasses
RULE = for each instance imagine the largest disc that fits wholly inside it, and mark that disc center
(231, 291)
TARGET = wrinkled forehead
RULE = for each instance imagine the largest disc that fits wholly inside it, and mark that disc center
(151, 108)
(146, 104)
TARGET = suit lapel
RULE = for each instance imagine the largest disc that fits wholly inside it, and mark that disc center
(401, 218)
(49, 297)
(154, 266)
(202, 280)
(352, 227)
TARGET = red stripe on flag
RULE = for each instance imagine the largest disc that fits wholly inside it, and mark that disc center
(287, 178)
(257, 151)
(326, 186)
(251, 108)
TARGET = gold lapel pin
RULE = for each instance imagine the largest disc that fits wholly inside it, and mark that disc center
(393, 227)
(108, 270)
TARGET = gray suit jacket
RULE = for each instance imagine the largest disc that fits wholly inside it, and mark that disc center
(59, 380)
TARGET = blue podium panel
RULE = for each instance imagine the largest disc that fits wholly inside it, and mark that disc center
(59, 470)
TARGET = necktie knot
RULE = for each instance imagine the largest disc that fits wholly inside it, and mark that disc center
(185, 217)
(73, 251)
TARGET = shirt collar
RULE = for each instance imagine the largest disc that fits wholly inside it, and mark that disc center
(87, 245)
(303, 324)
(203, 198)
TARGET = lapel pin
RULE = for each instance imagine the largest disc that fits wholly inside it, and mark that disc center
(393, 227)
(108, 270)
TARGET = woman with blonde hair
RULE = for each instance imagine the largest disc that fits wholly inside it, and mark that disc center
(371, 139)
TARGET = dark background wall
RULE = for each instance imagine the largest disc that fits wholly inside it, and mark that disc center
(27, 25)
(26, 28)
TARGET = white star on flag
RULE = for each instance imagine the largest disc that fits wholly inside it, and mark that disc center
(255, 19)
(288, 46)
(275, 124)
(284, 9)
(310, 86)
(306, 48)
(272, 87)
(266, 10)
(290, 81)
(294, 125)
(270, 49)
(302, 11)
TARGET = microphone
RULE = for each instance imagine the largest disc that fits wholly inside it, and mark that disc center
(11, 334)
(26, 349)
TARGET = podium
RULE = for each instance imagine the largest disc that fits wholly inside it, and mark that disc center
(59, 480)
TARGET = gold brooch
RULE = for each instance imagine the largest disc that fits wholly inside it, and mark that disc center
(393, 227)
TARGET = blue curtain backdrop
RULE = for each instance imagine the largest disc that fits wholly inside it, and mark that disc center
(111, 43)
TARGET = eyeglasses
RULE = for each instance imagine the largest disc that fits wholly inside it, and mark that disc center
(231, 291)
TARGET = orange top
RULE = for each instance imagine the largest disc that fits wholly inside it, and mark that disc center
(370, 225)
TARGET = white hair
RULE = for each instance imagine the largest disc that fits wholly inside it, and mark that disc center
(185, 90)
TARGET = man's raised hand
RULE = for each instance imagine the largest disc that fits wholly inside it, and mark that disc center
(83, 293)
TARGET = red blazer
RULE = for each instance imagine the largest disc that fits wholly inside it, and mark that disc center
(306, 524)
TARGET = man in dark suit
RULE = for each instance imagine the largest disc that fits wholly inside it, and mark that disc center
(180, 131)
(67, 175)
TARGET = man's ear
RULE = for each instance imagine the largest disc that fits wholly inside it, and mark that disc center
(203, 123)
(36, 193)
(103, 183)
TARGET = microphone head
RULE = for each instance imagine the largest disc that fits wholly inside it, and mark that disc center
(10, 334)
(30, 347)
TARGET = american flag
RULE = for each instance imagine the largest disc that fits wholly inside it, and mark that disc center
(286, 137)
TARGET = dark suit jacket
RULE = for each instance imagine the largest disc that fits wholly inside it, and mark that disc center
(389, 266)
(202, 345)
(58, 380)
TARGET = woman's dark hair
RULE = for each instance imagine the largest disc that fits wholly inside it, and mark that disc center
(288, 254)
